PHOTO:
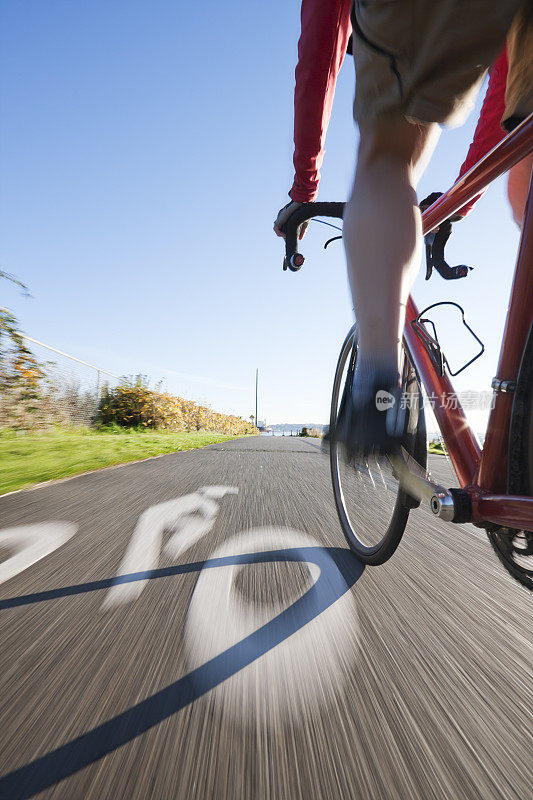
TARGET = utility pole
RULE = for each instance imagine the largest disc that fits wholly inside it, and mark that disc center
(256, 383)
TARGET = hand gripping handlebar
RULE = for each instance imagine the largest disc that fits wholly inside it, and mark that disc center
(293, 259)
(435, 240)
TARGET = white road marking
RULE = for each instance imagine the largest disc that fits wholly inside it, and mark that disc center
(298, 675)
(188, 530)
(217, 492)
(189, 518)
(31, 543)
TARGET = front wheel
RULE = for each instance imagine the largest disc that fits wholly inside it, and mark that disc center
(373, 509)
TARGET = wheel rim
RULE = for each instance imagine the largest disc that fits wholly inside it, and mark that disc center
(366, 490)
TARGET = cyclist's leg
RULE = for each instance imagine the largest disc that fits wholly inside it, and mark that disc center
(519, 102)
(408, 77)
(383, 233)
(519, 90)
(518, 186)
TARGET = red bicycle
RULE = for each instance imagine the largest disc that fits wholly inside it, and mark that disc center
(496, 481)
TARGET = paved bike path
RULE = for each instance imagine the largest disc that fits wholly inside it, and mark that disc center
(411, 680)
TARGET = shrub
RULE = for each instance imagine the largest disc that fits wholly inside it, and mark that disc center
(134, 405)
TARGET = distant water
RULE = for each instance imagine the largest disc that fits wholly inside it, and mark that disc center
(431, 435)
(279, 433)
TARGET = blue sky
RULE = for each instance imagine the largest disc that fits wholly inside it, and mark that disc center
(145, 149)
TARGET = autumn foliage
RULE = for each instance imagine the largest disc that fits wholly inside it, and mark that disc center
(136, 405)
(31, 397)
(21, 377)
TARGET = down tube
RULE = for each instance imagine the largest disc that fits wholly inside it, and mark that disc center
(461, 443)
(493, 468)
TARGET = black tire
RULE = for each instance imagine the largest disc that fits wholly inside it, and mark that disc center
(388, 523)
(515, 548)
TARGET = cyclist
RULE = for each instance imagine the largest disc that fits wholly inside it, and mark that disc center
(328, 31)
(409, 79)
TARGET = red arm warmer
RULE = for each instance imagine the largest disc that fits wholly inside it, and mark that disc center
(488, 131)
(326, 29)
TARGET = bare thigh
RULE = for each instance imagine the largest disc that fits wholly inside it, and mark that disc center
(517, 187)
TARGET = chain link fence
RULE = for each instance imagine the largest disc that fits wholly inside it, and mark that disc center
(71, 388)
(42, 386)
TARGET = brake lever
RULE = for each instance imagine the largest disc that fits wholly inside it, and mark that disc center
(429, 239)
(435, 242)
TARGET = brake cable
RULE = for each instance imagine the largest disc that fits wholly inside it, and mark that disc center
(330, 225)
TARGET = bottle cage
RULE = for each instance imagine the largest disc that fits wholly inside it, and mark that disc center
(431, 343)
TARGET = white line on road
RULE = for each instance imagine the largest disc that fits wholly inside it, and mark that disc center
(31, 543)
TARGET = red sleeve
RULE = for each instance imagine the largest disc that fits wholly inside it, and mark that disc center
(488, 130)
(326, 29)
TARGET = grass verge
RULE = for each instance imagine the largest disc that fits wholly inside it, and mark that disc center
(26, 459)
(436, 448)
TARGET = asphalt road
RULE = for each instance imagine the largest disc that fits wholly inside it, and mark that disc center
(245, 653)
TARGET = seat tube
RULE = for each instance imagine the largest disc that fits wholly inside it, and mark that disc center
(492, 475)
(461, 442)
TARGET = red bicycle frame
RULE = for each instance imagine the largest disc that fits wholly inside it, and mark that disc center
(483, 472)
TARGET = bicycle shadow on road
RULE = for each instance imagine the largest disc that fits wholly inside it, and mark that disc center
(339, 571)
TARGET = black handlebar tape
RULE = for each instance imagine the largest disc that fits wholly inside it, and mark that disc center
(437, 254)
(451, 273)
(306, 211)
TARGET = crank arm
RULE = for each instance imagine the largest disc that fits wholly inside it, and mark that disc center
(414, 480)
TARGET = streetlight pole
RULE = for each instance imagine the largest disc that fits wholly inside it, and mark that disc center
(256, 382)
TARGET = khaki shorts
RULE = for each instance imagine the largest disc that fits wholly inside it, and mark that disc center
(426, 59)
(519, 91)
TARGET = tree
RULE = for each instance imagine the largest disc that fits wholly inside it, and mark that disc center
(21, 375)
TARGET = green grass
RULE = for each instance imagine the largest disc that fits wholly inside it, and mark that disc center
(26, 459)
(437, 448)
